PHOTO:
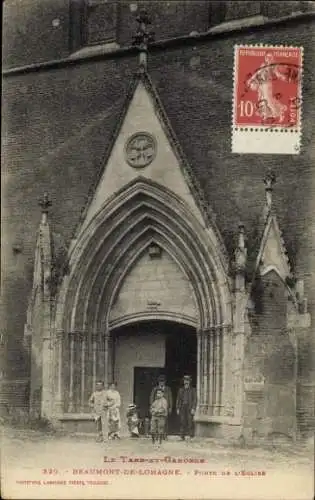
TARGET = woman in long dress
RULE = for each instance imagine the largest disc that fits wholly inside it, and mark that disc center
(113, 406)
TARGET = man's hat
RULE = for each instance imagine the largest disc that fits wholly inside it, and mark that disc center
(132, 406)
(187, 377)
(161, 378)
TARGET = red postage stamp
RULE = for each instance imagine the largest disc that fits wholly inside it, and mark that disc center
(267, 99)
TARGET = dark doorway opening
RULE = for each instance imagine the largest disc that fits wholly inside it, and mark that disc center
(180, 343)
(144, 379)
(180, 360)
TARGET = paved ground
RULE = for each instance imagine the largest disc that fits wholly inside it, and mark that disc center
(35, 465)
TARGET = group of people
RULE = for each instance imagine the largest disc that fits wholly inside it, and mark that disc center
(106, 406)
(161, 407)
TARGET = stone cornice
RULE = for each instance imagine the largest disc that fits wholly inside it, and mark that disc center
(151, 315)
(191, 40)
(218, 419)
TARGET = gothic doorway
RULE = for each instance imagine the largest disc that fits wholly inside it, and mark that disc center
(145, 260)
(144, 350)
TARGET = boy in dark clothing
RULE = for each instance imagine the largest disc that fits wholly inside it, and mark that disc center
(158, 417)
(167, 393)
(186, 407)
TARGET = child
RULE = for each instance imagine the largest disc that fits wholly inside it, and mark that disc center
(133, 421)
(158, 416)
(98, 401)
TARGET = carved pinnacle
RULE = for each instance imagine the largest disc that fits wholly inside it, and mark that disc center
(269, 181)
(143, 35)
(45, 203)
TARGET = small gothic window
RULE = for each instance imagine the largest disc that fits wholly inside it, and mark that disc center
(177, 18)
(240, 10)
(93, 22)
(274, 9)
(101, 20)
(217, 11)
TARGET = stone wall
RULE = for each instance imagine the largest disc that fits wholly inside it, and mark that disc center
(43, 30)
(270, 370)
(58, 123)
(57, 127)
(155, 284)
(36, 354)
(14, 394)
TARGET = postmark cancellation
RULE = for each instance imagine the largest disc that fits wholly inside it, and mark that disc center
(267, 99)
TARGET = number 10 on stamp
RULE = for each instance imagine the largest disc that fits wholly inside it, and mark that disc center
(267, 99)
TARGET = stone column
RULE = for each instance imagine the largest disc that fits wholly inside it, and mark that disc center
(111, 357)
(299, 327)
(83, 353)
(59, 400)
(205, 369)
(107, 375)
(227, 379)
(239, 336)
(47, 378)
(71, 378)
(217, 363)
(199, 376)
(211, 369)
(214, 369)
(239, 352)
(94, 359)
(47, 352)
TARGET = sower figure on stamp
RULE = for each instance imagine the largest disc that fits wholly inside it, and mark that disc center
(186, 407)
(167, 392)
(158, 412)
(98, 401)
(268, 105)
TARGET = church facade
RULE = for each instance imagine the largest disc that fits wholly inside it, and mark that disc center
(168, 263)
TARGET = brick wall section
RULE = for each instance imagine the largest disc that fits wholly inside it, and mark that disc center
(39, 30)
(13, 394)
(31, 33)
(305, 387)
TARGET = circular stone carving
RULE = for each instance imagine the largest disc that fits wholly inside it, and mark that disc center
(140, 149)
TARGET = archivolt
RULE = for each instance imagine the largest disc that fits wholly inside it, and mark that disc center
(140, 213)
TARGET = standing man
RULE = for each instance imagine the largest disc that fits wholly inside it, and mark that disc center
(99, 403)
(167, 393)
(114, 402)
(186, 407)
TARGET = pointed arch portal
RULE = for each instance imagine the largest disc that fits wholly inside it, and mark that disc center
(103, 254)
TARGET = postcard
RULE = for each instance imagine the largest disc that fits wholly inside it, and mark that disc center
(158, 251)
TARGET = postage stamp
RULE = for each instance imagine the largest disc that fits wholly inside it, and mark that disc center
(267, 99)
